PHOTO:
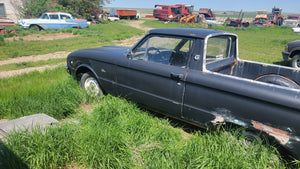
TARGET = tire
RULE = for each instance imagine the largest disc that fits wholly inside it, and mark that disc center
(278, 80)
(35, 27)
(296, 61)
(89, 83)
(251, 138)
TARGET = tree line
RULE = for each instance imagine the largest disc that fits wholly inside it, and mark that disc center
(78, 8)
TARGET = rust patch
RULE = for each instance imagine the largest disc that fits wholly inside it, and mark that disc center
(278, 134)
(232, 67)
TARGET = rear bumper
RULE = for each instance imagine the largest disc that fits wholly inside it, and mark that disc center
(285, 55)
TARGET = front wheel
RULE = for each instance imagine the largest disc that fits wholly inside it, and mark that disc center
(35, 27)
(296, 61)
(89, 83)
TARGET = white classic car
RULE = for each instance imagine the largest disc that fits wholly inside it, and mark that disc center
(296, 29)
(53, 20)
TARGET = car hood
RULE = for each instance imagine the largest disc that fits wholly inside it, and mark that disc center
(101, 52)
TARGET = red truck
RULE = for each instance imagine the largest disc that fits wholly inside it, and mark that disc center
(124, 13)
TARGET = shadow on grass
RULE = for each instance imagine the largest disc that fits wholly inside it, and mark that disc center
(10, 160)
(283, 63)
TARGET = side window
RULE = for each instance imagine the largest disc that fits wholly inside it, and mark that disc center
(45, 16)
(218, 48)
(53, 16)
(165, 50)
(65, 17)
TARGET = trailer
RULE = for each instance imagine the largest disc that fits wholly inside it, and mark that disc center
(125, 13)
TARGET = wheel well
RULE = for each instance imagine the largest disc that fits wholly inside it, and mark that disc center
(40, 28)
(296, 52)
(81, 71)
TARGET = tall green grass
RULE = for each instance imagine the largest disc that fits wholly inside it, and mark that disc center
(119, 135)
(95, 35)
(52, 92)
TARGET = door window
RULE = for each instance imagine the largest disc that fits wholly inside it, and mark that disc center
(53, 16)
(65, 17)
(164, 50)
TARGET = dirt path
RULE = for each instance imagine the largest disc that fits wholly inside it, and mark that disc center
(57, 55)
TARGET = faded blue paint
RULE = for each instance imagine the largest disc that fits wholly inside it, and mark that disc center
(54, 20)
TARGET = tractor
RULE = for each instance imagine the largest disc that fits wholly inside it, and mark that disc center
(276, 18)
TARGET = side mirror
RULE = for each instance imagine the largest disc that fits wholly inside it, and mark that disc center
(129, 55)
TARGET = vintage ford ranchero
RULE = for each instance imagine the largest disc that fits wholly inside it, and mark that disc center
(195, 75)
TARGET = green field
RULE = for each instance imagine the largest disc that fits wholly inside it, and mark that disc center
(117, 133)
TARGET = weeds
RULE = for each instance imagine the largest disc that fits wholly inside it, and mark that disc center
(52, 92)
(119, 135)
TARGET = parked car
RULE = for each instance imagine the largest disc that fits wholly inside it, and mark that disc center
(296, 29)
(113, 18)
(53, 20)
(292, 50)
(195, 75)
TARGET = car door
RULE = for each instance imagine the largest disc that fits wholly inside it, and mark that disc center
(154, 73)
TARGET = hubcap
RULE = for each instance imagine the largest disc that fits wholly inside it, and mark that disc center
(91, 86)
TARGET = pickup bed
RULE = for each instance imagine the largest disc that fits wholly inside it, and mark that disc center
(195, 75)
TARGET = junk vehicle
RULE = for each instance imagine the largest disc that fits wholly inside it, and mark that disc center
(291, 21)
(292, 50)
(208, 14)
(196, 75)
(261, 18)
(53, 20)
(238, 22)
(124, 13)
(177, 13)
(296, 29)
(95, 15)
(276, 18)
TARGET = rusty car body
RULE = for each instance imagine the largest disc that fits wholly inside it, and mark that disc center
(195, 75)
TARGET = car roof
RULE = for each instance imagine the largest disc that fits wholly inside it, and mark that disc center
(63, 13)
(189, 32)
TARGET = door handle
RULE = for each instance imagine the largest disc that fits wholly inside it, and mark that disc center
(176, 76)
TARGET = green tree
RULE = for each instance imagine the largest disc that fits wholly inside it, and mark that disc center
(78, 8)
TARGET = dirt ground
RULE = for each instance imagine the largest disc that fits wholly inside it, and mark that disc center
(52, 36)
(56, 55)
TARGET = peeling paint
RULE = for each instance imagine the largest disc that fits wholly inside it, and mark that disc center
(219, 119)
(278, 134)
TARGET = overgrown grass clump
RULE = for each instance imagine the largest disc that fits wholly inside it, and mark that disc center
(52, 92)
(119, 135)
